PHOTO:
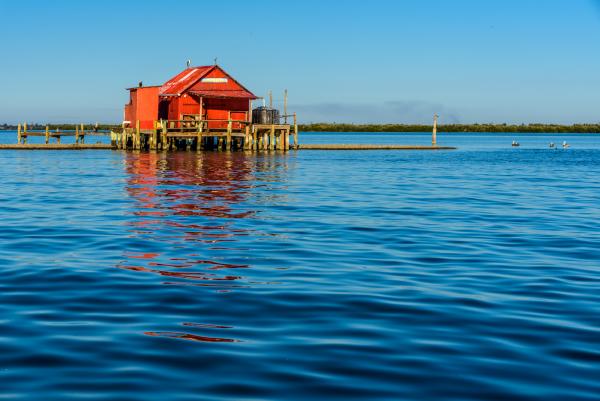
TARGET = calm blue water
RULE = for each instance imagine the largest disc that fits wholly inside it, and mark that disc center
(453, 275)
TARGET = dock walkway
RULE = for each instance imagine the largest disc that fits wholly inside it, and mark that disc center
(55, 146)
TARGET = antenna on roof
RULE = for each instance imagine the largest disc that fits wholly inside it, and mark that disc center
(215, 61)
(188, 63)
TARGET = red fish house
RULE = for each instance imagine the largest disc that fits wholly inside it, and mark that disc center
(202, 108)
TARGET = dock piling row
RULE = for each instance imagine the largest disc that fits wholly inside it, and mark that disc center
(198, 135)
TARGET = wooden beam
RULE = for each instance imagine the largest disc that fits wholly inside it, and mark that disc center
(47, 135)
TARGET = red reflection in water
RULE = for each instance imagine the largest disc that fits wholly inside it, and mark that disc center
(191, 337)
(206, 326)
(184, 183)
(184, 275)
(187, 201)
(169, 186)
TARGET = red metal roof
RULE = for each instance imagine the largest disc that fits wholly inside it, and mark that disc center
(191, 80)
(224, 93)
(180, 82)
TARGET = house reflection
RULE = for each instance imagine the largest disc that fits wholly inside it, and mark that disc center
(187, 212)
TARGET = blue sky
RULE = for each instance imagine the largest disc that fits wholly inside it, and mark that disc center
(514, 61)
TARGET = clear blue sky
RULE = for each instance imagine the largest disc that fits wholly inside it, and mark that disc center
(354, 61)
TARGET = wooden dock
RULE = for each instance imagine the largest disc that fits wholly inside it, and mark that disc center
(55, 146)
(193, 133)
(79, 133)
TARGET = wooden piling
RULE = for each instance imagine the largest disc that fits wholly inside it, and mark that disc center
(272, 138)
(228, 144)
(285, 106)
(254, 139)
(57, 137)
(163, 135)
(24, 132)
(76, 134)
(247, 139)
(434, 132)
(19, 133)
(47, 135)
(200, 144)
(137, 139)
(281, 140)
(295, 132)
(152, 139)
(82, 133)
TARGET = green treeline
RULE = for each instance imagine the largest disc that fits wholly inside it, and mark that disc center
(529, 128)
(334, 127)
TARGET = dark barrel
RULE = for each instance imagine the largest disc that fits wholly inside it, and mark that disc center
(265, 115)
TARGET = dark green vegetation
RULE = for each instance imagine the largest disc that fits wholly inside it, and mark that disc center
(532, 128)
(334, 127)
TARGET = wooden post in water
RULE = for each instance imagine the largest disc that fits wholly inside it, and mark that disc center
(285, 106)
(200, 144)
(76, 134)
(272, 138)
(247, 139)
(434, 132)
(137, 140)
(24, 132)
(254, 139)
(19, 133)
(228, 143)
(82, 132)
(295, 132)
(57, 137)
(152, 139)
(171, 140)
(281, 142)
(163, 139)
(47, 135)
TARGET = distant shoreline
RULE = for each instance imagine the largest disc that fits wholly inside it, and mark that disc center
(454, 128)
(405, 128)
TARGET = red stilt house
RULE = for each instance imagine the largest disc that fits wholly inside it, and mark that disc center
(206, 93)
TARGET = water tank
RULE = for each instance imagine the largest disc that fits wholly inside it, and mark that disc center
(265, 115)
